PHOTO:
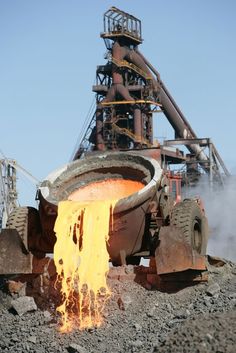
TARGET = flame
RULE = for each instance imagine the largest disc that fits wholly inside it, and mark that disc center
(80, 253)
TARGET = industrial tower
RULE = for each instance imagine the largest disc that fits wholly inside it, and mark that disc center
(129, 92)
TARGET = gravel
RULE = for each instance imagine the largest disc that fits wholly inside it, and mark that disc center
(198, 318)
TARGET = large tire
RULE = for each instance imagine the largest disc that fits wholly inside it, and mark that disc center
(27, 223)
(188, 216)
(18, 219)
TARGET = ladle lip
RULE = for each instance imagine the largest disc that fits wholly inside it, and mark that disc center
(54, 180)
(143, 194)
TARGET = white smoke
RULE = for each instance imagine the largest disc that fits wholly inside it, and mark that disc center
(220, 206)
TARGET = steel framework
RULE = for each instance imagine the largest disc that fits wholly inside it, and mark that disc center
(128, 91)
(8, 192)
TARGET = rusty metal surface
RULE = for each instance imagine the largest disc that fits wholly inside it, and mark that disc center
(174, 254)
(127, 232)
(14, 257)
(43, 265)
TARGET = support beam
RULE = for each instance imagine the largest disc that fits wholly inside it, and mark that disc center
(200, 141)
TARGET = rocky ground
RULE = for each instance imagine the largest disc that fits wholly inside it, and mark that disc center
(137, 318)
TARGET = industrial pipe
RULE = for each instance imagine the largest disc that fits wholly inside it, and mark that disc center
(176, 117)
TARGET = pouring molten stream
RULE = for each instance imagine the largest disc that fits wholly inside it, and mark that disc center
(80, 253)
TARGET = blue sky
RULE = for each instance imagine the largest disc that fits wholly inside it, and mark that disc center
(49, 51)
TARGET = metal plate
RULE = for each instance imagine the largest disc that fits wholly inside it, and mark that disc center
(174, 254)
(14, 257)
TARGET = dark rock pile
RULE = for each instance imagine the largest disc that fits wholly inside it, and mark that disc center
(199, 318)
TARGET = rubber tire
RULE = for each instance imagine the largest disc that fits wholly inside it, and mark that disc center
(18, 219)
(27, 223)
(188, 216)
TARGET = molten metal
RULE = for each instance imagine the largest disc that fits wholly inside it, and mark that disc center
(111, 189)
(80, 252)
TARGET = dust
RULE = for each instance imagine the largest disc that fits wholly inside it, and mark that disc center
(220, 206)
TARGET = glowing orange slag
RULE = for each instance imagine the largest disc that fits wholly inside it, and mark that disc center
(111, 189)
(80, 252)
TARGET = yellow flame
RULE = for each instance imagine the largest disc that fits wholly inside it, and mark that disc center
(82, 259)
(80, 253)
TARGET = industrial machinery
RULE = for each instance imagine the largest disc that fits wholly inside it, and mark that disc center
(8, 187)
(7, 190)
(118, 144)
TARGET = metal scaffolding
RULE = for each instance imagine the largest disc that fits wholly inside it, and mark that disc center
(129, 91)
(8, 192)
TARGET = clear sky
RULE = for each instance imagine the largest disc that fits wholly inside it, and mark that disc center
(49, 50)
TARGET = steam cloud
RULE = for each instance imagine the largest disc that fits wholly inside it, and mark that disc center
(220, 206)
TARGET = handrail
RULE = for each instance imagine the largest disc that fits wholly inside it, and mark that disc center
(124, 63)
(130, 134)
